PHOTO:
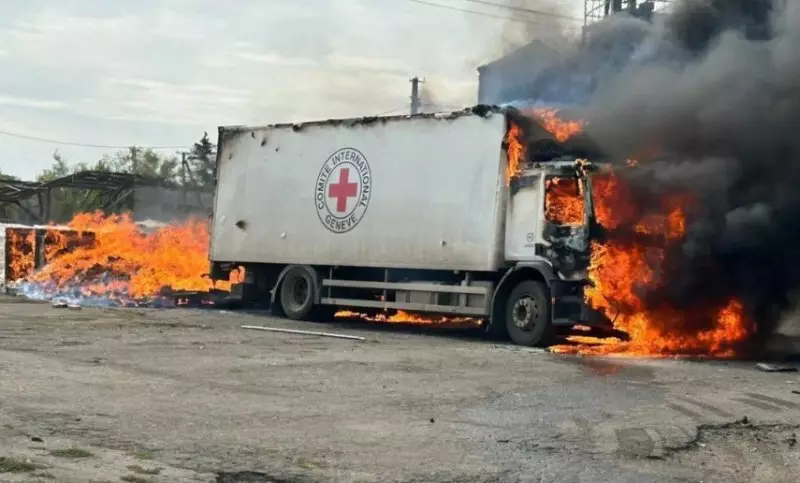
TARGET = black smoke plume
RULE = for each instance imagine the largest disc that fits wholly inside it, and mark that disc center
(714, 90)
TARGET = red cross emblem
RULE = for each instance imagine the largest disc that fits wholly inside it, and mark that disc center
(342, 190)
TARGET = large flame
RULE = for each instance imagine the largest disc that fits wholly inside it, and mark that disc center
(21, 246)
(120, 261)
(561, 129)
(628, 265)
(564, 201)
(515, 150)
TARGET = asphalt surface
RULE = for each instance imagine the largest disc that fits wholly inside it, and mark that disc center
(187, 395)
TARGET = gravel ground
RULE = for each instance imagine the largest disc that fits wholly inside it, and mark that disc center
(187, 395)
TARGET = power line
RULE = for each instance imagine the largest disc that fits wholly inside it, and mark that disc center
(83, 145)
(484, 14)
(526, 10)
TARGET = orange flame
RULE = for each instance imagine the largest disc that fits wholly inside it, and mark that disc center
(515, 150)
(622, 267)
(564, 201)
(561, 129)
(21, 253)
(138, 265)
(401, 317)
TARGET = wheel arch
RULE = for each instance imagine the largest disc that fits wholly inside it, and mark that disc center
(538, 271)
(313, 273)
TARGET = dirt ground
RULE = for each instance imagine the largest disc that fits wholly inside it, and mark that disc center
(188, 395)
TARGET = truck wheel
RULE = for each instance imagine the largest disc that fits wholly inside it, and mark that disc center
(297, 294)
(528, 314)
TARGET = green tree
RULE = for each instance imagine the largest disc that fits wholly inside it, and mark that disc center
(202, 161)
(144, 162)
(59, 169)
(7, 177)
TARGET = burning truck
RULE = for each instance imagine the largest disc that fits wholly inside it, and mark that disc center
(446, 214)
(483, 215)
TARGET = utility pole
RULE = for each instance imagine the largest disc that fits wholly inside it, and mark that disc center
(134, 153)
(415, 100)
(184, 174)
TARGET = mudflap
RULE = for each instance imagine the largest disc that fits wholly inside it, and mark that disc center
(570, 308)
(244, 292)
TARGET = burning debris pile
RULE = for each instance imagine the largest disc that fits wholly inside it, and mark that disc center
(116, 263)
(22, 259)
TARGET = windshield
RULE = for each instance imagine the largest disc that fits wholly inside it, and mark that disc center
(564, 201)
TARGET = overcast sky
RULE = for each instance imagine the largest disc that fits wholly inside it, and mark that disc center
(160, 72)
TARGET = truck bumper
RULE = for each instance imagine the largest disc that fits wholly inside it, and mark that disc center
(569, 307)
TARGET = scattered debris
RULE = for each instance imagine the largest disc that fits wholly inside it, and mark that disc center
(60, 305)
(766, 367)
(74, 307)
(303, 332)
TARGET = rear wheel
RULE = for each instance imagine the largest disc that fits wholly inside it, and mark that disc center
(527, 314)
(297, 294)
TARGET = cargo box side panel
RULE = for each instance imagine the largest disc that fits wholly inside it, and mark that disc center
(413, 193)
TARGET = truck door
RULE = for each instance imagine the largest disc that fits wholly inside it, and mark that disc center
(524, 215)
(567, 216)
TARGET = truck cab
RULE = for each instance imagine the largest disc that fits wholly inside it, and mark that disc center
(550, 222)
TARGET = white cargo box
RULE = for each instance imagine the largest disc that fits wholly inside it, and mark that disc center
(421, 191)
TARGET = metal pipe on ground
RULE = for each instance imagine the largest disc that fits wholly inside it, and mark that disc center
(303, 332)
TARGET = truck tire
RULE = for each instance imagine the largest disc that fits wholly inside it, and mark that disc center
(527, 314)
(297, 294)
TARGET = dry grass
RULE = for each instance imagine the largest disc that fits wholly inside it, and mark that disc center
(71, 453)
(144, 471)
(16, 465)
